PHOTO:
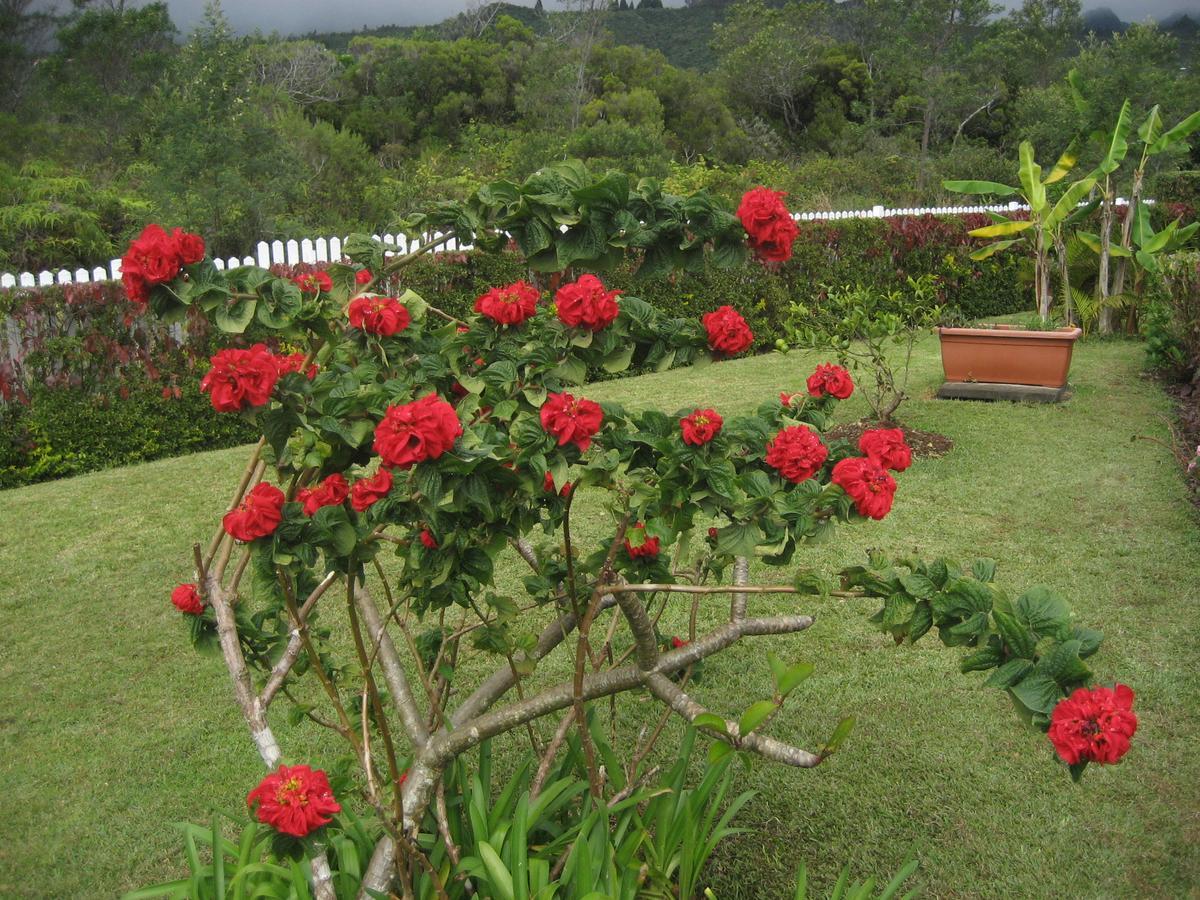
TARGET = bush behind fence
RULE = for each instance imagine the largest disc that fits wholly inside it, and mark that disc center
(72, 350)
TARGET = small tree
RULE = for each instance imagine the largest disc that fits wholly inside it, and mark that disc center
(872, 331)
(459, 486)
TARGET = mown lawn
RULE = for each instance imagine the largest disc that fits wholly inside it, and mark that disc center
(111, 727)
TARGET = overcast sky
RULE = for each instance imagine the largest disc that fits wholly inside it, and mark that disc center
(300, 16)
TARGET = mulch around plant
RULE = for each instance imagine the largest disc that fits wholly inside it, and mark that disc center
(925, 444)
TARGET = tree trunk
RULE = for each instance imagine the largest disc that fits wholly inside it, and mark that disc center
(1106, 215)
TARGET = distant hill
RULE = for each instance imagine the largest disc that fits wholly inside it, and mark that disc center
(1103, 22)
(682, 35)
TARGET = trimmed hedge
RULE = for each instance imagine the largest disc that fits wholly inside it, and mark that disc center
(97, 385)
(69, 432)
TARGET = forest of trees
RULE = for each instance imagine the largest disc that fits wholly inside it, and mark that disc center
(112, 118)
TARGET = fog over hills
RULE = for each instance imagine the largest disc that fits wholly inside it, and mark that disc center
(302, 16)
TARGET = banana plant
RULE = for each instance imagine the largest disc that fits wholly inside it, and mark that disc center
(1043, 231)
(1136, 236)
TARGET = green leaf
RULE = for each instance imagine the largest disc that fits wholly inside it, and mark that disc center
(1044, 612)
(717, 751)
(739, 539)
(234, 319)
(793, 678)
(499, 877)
(571, 370)
(979, 187)
(839, 735)
(991, 249)
(1064, 665)
(1015, 635)
(918, 586)
(1010, 673)
(711, 721)
(984, 569)
(755, 715)
(1118, 144)
(1001, 229)
(619, 359)
(1037, 693)
(1176, 134)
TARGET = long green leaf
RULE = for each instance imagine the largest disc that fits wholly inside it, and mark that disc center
(1176, 134)
(1001, 229)
(498, 875)
(979, 187)
(1118, 144)
(1068, 201)
(1065, 163)
(1150, 129)
(1031, 180)
(985, 252)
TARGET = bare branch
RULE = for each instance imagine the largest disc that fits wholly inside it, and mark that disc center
(393, 669)
(670, 693)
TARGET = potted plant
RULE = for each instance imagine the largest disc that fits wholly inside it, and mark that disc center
(1005, 355)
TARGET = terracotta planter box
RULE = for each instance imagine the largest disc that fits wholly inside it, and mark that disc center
(1005, 354)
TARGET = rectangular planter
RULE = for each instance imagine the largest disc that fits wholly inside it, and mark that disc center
(1008, 355)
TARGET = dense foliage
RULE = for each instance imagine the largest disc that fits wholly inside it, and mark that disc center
(246, 138)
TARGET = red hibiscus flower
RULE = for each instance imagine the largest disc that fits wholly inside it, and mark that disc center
(677, 642)
(797, 453)
(135, 286)
(887, 447)
(548, 486)
(1093, 725)
(647, 547)
(367, 491)
(584, 303)
(295, 800)
(155, 257)
(241, 378)
(868, 484)
(293, 362)
(363, 276)
(770, 228)
(571, 421)
(313, 282)
(258, 515)
(417, 431)
(187, 600)
(190, 246)
(830, 380)
(728, 332)
(701, 426)
(383, 316)
(330, 492)
(509, 305)
(428, 539)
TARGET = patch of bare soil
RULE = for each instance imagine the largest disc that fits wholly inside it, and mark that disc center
(925, 444)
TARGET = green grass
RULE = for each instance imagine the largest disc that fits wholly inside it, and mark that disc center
(111, 727)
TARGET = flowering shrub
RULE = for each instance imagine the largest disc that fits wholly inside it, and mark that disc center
(446, 439)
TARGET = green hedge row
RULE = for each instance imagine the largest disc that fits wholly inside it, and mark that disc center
(876, 252)
(64, 432)
(66, 428)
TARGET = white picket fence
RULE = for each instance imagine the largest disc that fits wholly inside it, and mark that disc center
(314, 250)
